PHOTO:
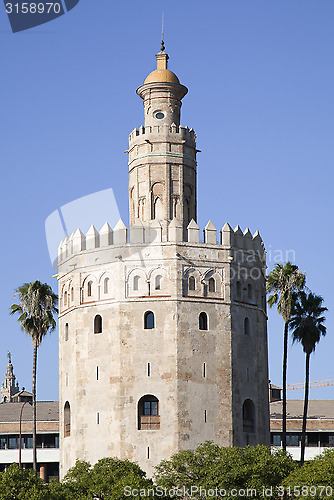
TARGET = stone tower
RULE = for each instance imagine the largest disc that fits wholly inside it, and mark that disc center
(162, 155)
(9, 387)
(163, 337)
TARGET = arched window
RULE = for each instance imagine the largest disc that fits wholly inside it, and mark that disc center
(238, 289)
(203, 321)
(246, 326)
(89, 288)
(136, 280)
(148, 413)
(106, 285)
(248, 416)
(66, 332)
(212, 285)
(65, 299)
(72, 294)
(98, 324)
(149, 320)
(192, 283)
(250, 291)
(67, 419)
(158, 282)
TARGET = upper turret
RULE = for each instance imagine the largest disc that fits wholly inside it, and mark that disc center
(162, 94)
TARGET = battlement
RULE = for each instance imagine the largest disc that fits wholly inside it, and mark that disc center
(179, 131)
(138, 234)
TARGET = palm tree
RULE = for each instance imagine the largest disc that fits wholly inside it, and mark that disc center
(283, 283)
(37, 304)
(307, 328)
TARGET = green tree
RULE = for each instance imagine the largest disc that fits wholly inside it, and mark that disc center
(283, 284)
(37, 305)
(307, 327)
(315, 476)
(106, 480)
(226, 468)
(22, 484)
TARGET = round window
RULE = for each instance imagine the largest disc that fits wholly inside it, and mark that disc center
(159, 115)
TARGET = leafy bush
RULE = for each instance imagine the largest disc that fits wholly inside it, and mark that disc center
(211, 466)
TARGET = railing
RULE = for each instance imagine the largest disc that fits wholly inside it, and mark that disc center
(149, 422)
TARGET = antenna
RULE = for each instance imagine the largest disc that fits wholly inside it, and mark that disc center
(162, 47)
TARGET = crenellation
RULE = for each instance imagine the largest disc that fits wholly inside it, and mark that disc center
(193, 232)
(79, 241)
(210, 233)
(180, 132)
(137, 233)
(248, 244)
(106, 236)
(121, 235)
(92, 238)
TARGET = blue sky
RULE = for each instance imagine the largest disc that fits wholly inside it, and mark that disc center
(260, 78)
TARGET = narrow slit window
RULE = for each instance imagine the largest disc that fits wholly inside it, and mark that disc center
(203, 321)
(158, 282)
(205, 416)
(204, 370)
(66, 332)
(246, 326)
(148, 369)
(97, 373)
(67, 419)
(148, 452)
(89, 288)
(149, 320)
(192, 283)
(106, 285)
(98, 324)
(136, 281)
(98, 418)
(212, 285)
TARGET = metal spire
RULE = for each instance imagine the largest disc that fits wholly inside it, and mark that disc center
(162, 47)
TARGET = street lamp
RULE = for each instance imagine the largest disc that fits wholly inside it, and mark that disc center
(20, 445)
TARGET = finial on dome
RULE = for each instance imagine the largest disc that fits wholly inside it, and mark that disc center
(162, 47)
(9, 356)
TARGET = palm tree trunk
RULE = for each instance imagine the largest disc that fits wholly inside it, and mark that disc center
(34, 367)
(285, 367)
(307, 383)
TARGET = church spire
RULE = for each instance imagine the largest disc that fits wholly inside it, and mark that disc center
(9, 386)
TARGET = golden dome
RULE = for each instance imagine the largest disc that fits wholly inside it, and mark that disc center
(162, 75)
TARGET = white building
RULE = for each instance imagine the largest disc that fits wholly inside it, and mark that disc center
(15, 402)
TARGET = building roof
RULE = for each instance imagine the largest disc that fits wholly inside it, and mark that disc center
(317, 409)
(47, 411)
